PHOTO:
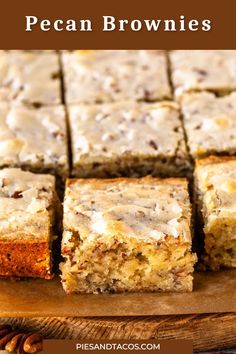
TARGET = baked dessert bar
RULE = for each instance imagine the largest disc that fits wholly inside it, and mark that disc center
(97, 76)
(28, 206)
(196, 70)
(34, 139)
(215, 196)
(30, 77)
(210, 124)
(128, 139)
(127, 235)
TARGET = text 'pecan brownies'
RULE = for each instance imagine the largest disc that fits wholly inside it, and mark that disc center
(210, 124)
(127, 235)
(96, 76)
(197, 70)
(28, 207)
(128, 139)
(30, 77)
(34, 139)
(215, 196)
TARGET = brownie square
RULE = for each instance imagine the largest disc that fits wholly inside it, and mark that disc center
(197, 70)
(98, 76)
(210, 124)
(34, 139)
(28, 215)
(30, 77)
(128, 139)
(215, 197)
(124, 235)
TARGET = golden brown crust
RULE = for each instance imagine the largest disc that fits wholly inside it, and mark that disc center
(105, 181)
(211, 160)
(25, 259)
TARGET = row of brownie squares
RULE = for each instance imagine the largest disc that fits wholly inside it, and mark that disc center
(114, 139)
(121, 234)
(102, 76)
(119, 138)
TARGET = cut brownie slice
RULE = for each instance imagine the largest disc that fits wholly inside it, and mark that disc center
(128, 139)
(28, 206)
(210, 124)
(215, 196)
(127, 235)
(34, 139)
(196, 70)
(30, 77)
(97, 76)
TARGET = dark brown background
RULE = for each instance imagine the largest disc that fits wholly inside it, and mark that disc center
(221, 13)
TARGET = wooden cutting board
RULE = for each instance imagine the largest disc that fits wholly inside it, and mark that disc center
(214, 292)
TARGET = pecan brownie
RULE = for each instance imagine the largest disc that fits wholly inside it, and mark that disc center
(128, 139)
(127, 234)
(97, 76)
(196, 70)
(215, 197)
(210, 123)
(28, 206)
(30, 77)
(34, 139)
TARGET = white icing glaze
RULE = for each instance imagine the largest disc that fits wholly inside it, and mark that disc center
(25, 201)
(194, 70)
(101, 132)
(145, 208)
(114, 75)
(30, 77)
(35, 138)
(210, 123)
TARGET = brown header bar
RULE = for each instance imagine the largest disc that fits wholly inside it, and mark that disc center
(186, 29)
(117, 347)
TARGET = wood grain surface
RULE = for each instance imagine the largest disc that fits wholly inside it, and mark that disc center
(207, 331)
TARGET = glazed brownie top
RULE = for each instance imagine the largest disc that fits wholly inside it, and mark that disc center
(30, 77)
(25, 200)
(100, 132)
(194, 70)
(96, 76)
(210, 123)
(33, 138)
(148, 208)
(216, 183)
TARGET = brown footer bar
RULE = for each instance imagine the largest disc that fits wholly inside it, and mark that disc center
(111, 347)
